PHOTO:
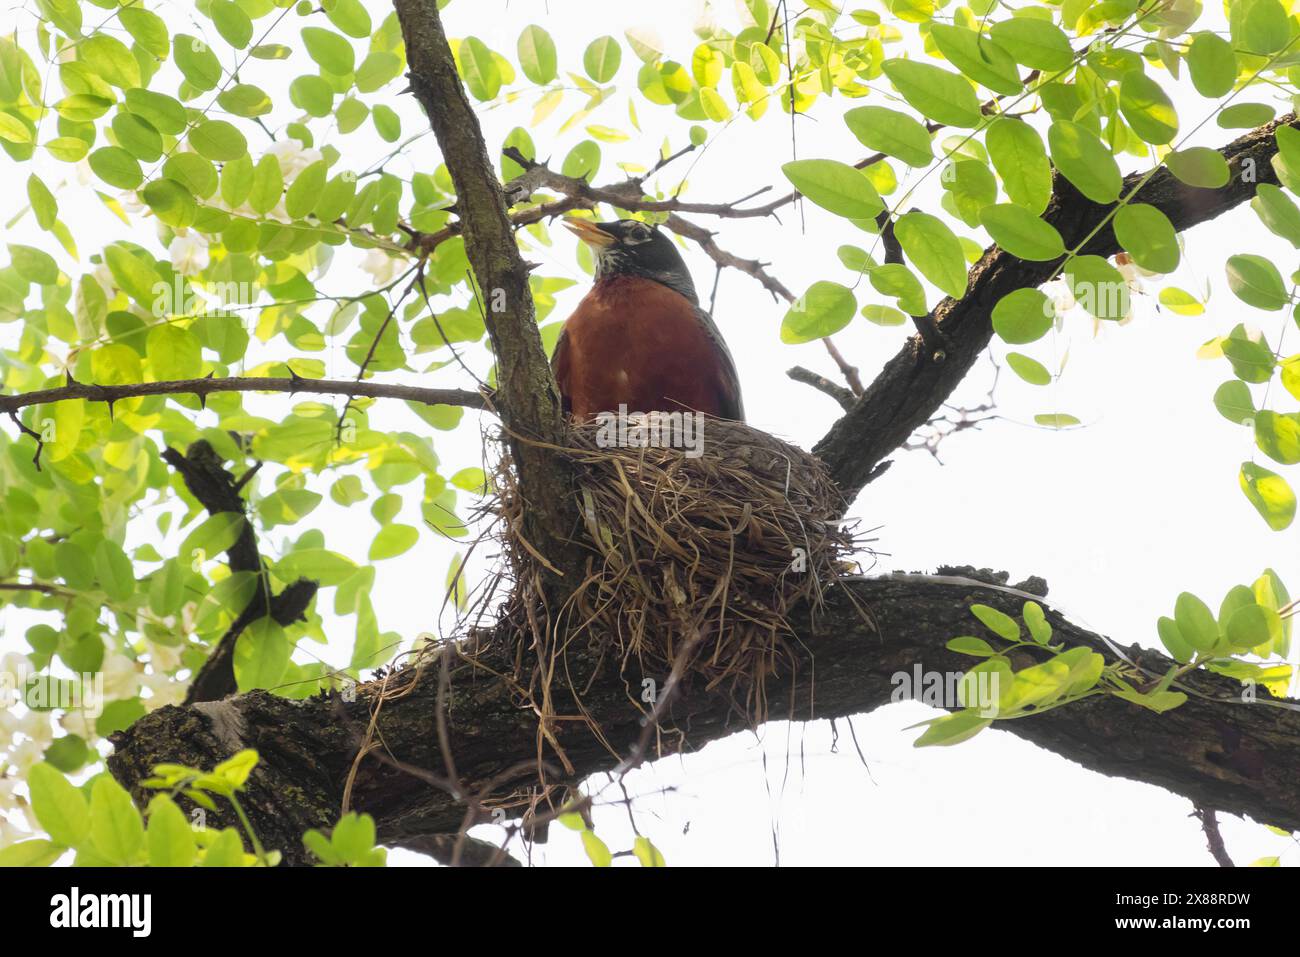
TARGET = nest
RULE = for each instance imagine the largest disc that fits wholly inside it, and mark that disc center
(695, 562)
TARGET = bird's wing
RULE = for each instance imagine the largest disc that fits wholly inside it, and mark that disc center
(734, 405)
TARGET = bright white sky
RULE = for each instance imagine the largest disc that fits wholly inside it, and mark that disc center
(1119, 516)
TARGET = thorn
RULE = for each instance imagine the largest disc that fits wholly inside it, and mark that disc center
(295, 378)
(109, 403)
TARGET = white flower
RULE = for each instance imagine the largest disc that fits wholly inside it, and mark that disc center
(293, 158)
(163, 690)
(23, 756)
(381, 266)
(121, 677)
(131, 201)
(189, 254)
(163, 659)
(80, 723)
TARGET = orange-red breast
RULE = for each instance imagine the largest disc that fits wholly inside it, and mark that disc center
(639, 338)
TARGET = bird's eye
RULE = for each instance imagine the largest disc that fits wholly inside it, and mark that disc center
(638, 233)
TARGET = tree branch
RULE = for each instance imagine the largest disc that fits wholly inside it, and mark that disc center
(217, 491)
(528, 399)
(1214, 749)
(206, 387)
(910, 388)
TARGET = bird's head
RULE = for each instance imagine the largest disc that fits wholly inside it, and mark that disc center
(628, 247)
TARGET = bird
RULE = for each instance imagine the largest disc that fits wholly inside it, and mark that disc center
(639, 338)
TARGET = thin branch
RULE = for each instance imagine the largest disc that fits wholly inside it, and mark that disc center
(843, 396)
(1209, 819)
(205, 387)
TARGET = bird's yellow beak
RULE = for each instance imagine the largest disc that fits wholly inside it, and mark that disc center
(589, 232)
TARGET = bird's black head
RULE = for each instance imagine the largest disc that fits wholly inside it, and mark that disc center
(628, 247)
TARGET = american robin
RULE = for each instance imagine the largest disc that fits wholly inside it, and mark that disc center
(639, 338)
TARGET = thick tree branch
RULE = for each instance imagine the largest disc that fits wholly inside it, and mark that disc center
(528, 399)
(216, 489)
(911, 388)
(1214, 749)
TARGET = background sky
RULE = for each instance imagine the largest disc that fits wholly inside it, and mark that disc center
(1118, 516)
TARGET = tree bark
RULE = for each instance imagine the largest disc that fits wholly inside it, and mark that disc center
(1215, 749)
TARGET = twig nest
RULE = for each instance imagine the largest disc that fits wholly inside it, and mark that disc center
(703, 536)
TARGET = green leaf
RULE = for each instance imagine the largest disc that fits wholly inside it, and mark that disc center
(826, 308)
(537, 54)
(1022, 233)
(1018, 155)
(312, 94)
(895, 279)
(34, 264)
(1148, 236)
(244, 99)
(952, 729)
(116, 167)
(1213, 65)
(601, 59)
(392, 541)
(333, 53)
(1036, 622)
(116, 831)
(1256, 281)
(1056, 420)
(1147, 108)
(387, 124)
(583, 161)
(268, 185)
(942, 96)
(351, 17)
(1278, 436)
(1253, 626)
(1196, 622)
(1270, 493)
(146, 28)
(198, 64)
(1251, 358)
(44, 206)
(262, 654)
(891, 132)
(1098, 287)
(970, 645)
(1199, 166)
(111, 59)
(14, 130)
(934, 250)
(131, 273)
(835, 186)
(318, 564)
(1001, 624)
(1022, 316)
(647, 853)
(173, 353)
(306, 190)
(1038, 44)
(1234, 402)
(33, 853)
(59, 807)
(164, 113)
(1173, 640)
(980, 58)
(1259, 26)
(479, 68)
(1031, 370)
(231, 22)
(1244, 116)
(1085, 161)
(169, 837)
(114, 570)
(597, 852)
(1277, 211)
(218, 141)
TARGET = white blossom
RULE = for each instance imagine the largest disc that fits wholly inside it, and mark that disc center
(381, 266)
(189, 254)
